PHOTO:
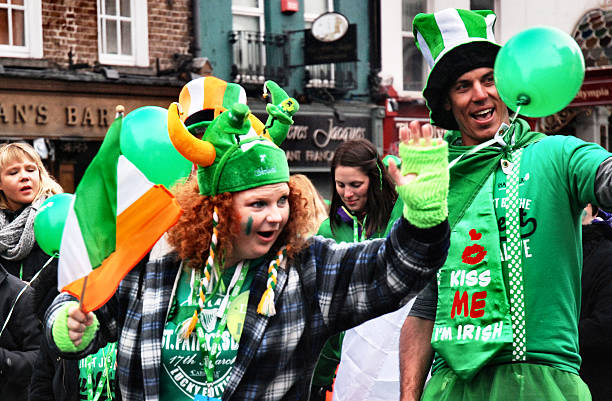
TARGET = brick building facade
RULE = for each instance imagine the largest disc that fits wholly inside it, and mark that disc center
(64, 66)
(71, 25)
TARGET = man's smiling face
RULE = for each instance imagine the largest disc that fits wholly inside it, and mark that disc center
(476, 106)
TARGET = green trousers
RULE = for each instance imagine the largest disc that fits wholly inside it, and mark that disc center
(508, 382)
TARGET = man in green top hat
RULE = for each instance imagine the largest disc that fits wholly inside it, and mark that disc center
(502, 316)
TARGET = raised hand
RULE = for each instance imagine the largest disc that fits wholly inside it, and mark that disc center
(417, 136)
(422, 183)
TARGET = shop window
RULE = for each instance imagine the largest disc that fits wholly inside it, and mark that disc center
(249, 50)
(323, 75)
(123, 32)
(415, 71)
(314, 8)
(20, 29)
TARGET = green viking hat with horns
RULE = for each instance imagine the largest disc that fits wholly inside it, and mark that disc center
(232, 156)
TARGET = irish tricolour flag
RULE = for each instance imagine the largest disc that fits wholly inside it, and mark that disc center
(116, 217)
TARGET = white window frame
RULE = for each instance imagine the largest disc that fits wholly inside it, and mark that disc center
(391, 30)
(258, 12)
(317, 83)
(33, 47)
(392, 61)
(140, 37)
(252, 12)
(424, 67)
(311, 17)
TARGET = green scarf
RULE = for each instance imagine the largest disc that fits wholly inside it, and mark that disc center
(469, 174)
(473, 321)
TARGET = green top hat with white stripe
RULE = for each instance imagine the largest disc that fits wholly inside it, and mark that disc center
(453, 42)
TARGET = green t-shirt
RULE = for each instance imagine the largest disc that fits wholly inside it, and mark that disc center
(182, 372)
(100, 367)
(344, 232)
(556, 180)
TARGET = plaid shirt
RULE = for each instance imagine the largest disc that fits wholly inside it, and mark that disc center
(325, 289)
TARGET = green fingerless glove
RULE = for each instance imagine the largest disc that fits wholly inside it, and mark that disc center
(60, 331)
(425, 197)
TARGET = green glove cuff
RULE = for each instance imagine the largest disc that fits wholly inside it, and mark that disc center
(60, 331)
(425, 197)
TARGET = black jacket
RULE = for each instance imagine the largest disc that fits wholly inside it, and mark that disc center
(31, 264)
(55, 378)
(20, 340)
(595, 327)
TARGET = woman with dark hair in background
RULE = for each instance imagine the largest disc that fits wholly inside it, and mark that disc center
(363, 206)
(363, 195)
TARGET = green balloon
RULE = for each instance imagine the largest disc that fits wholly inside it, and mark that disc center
(49, 222)
(396, 159)
(541, 69)
(145, 142)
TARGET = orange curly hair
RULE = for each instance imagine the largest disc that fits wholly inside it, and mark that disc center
(191, 235)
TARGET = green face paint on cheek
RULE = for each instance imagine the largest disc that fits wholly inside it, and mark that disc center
(249, 226)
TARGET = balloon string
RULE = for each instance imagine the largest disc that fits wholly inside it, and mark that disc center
(516, 113)
(54, 256)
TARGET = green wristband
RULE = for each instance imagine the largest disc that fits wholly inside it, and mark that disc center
(60, 331)
(425, 197)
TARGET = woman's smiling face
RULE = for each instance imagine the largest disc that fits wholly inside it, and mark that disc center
(263, 213)
(352, 187)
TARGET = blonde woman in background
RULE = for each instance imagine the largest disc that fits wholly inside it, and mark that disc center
(24, 186)
(315, 205)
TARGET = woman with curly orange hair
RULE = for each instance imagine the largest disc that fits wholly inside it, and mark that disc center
(241, 306)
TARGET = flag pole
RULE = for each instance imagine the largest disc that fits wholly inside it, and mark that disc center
(83, 293)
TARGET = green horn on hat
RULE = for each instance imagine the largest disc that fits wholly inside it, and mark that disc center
(280, 111)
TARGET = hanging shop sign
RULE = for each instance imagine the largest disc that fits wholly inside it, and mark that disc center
(329, 27)
(333, 40)
(596, 88)
(313, 138)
